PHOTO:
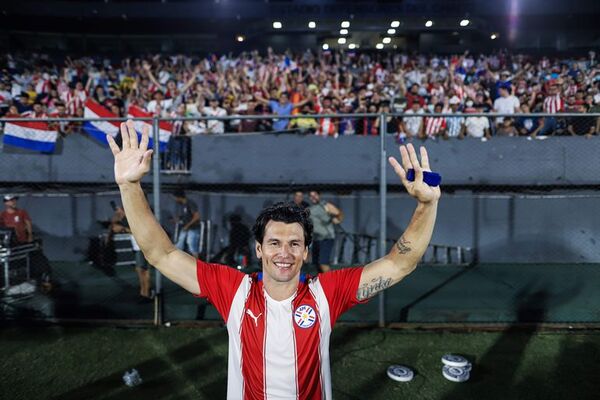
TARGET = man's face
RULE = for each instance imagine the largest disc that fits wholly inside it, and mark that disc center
(282, 251)
(314, 197)
(12, 204)
(283, 99)
(298, 197)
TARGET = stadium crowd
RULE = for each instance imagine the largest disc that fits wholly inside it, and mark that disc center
(313, 83)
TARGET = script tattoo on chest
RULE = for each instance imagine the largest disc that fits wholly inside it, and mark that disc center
(370, 289)
(402, 245)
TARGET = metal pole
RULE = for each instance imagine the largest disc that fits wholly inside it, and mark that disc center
(158, 300)
(382, 206)
(208, 239)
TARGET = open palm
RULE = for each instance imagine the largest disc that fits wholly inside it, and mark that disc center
(417, 188)
(132, 162)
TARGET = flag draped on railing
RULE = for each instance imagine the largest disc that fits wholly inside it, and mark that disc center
(99, 130)
(164, 128)
(34, 135)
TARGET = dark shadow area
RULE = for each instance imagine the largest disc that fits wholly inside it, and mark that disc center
(574, 372)
(342, 345)
(501, 361)
(498, 367)
(405, 310)
(181, 370)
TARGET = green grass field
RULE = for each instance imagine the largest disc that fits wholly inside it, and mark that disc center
(191, 363)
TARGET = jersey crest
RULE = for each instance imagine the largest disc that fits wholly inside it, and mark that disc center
(305, 316)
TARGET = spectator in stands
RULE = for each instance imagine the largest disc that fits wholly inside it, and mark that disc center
(64, 128)
(214, 126)
(581, 125)
(36, 112)
(12, 112)
(282, 107)
(478, 127)
(506, 128)
(338, 81)
(177, 158)
(553, 103)
(413, 126)
(159, 105)
(393, 123)
(23, 105)
(5, 98)
(506, 103)
(528, 125)
(305, 125)
(455, 126)
(435, 126)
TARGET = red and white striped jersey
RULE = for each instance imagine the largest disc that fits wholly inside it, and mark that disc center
(74, 101)
(553, 104)
(278, 349)
(434, 125)
(459, 91)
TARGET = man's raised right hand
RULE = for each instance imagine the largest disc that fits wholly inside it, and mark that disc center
(132, 162)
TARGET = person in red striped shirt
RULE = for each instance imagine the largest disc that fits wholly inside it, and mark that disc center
(435, 126)
(279, 321)
(553, 103)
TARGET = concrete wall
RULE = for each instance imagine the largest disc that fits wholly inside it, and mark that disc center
(286, 159)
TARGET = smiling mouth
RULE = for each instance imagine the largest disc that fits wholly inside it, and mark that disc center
(283, 265)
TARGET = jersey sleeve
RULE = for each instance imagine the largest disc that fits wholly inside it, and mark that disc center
(340, 287)
(218, 284)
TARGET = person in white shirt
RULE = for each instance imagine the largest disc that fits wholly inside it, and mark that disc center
(160, 101)
(478, 127)
(213, 110)
(506, 103)
(413, 126)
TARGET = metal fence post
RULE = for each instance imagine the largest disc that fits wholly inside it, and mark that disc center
(158, 300)
(383, 206)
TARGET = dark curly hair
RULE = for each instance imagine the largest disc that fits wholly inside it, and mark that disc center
(284, 212)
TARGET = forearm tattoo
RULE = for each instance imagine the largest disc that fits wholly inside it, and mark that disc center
(369, 290)
(403, 245)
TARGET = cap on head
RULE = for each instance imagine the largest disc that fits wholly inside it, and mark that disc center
(9, 197)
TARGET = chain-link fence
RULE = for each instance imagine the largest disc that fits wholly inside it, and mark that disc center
(514, 239)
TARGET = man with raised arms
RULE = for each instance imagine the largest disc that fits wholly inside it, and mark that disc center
(279, 321)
